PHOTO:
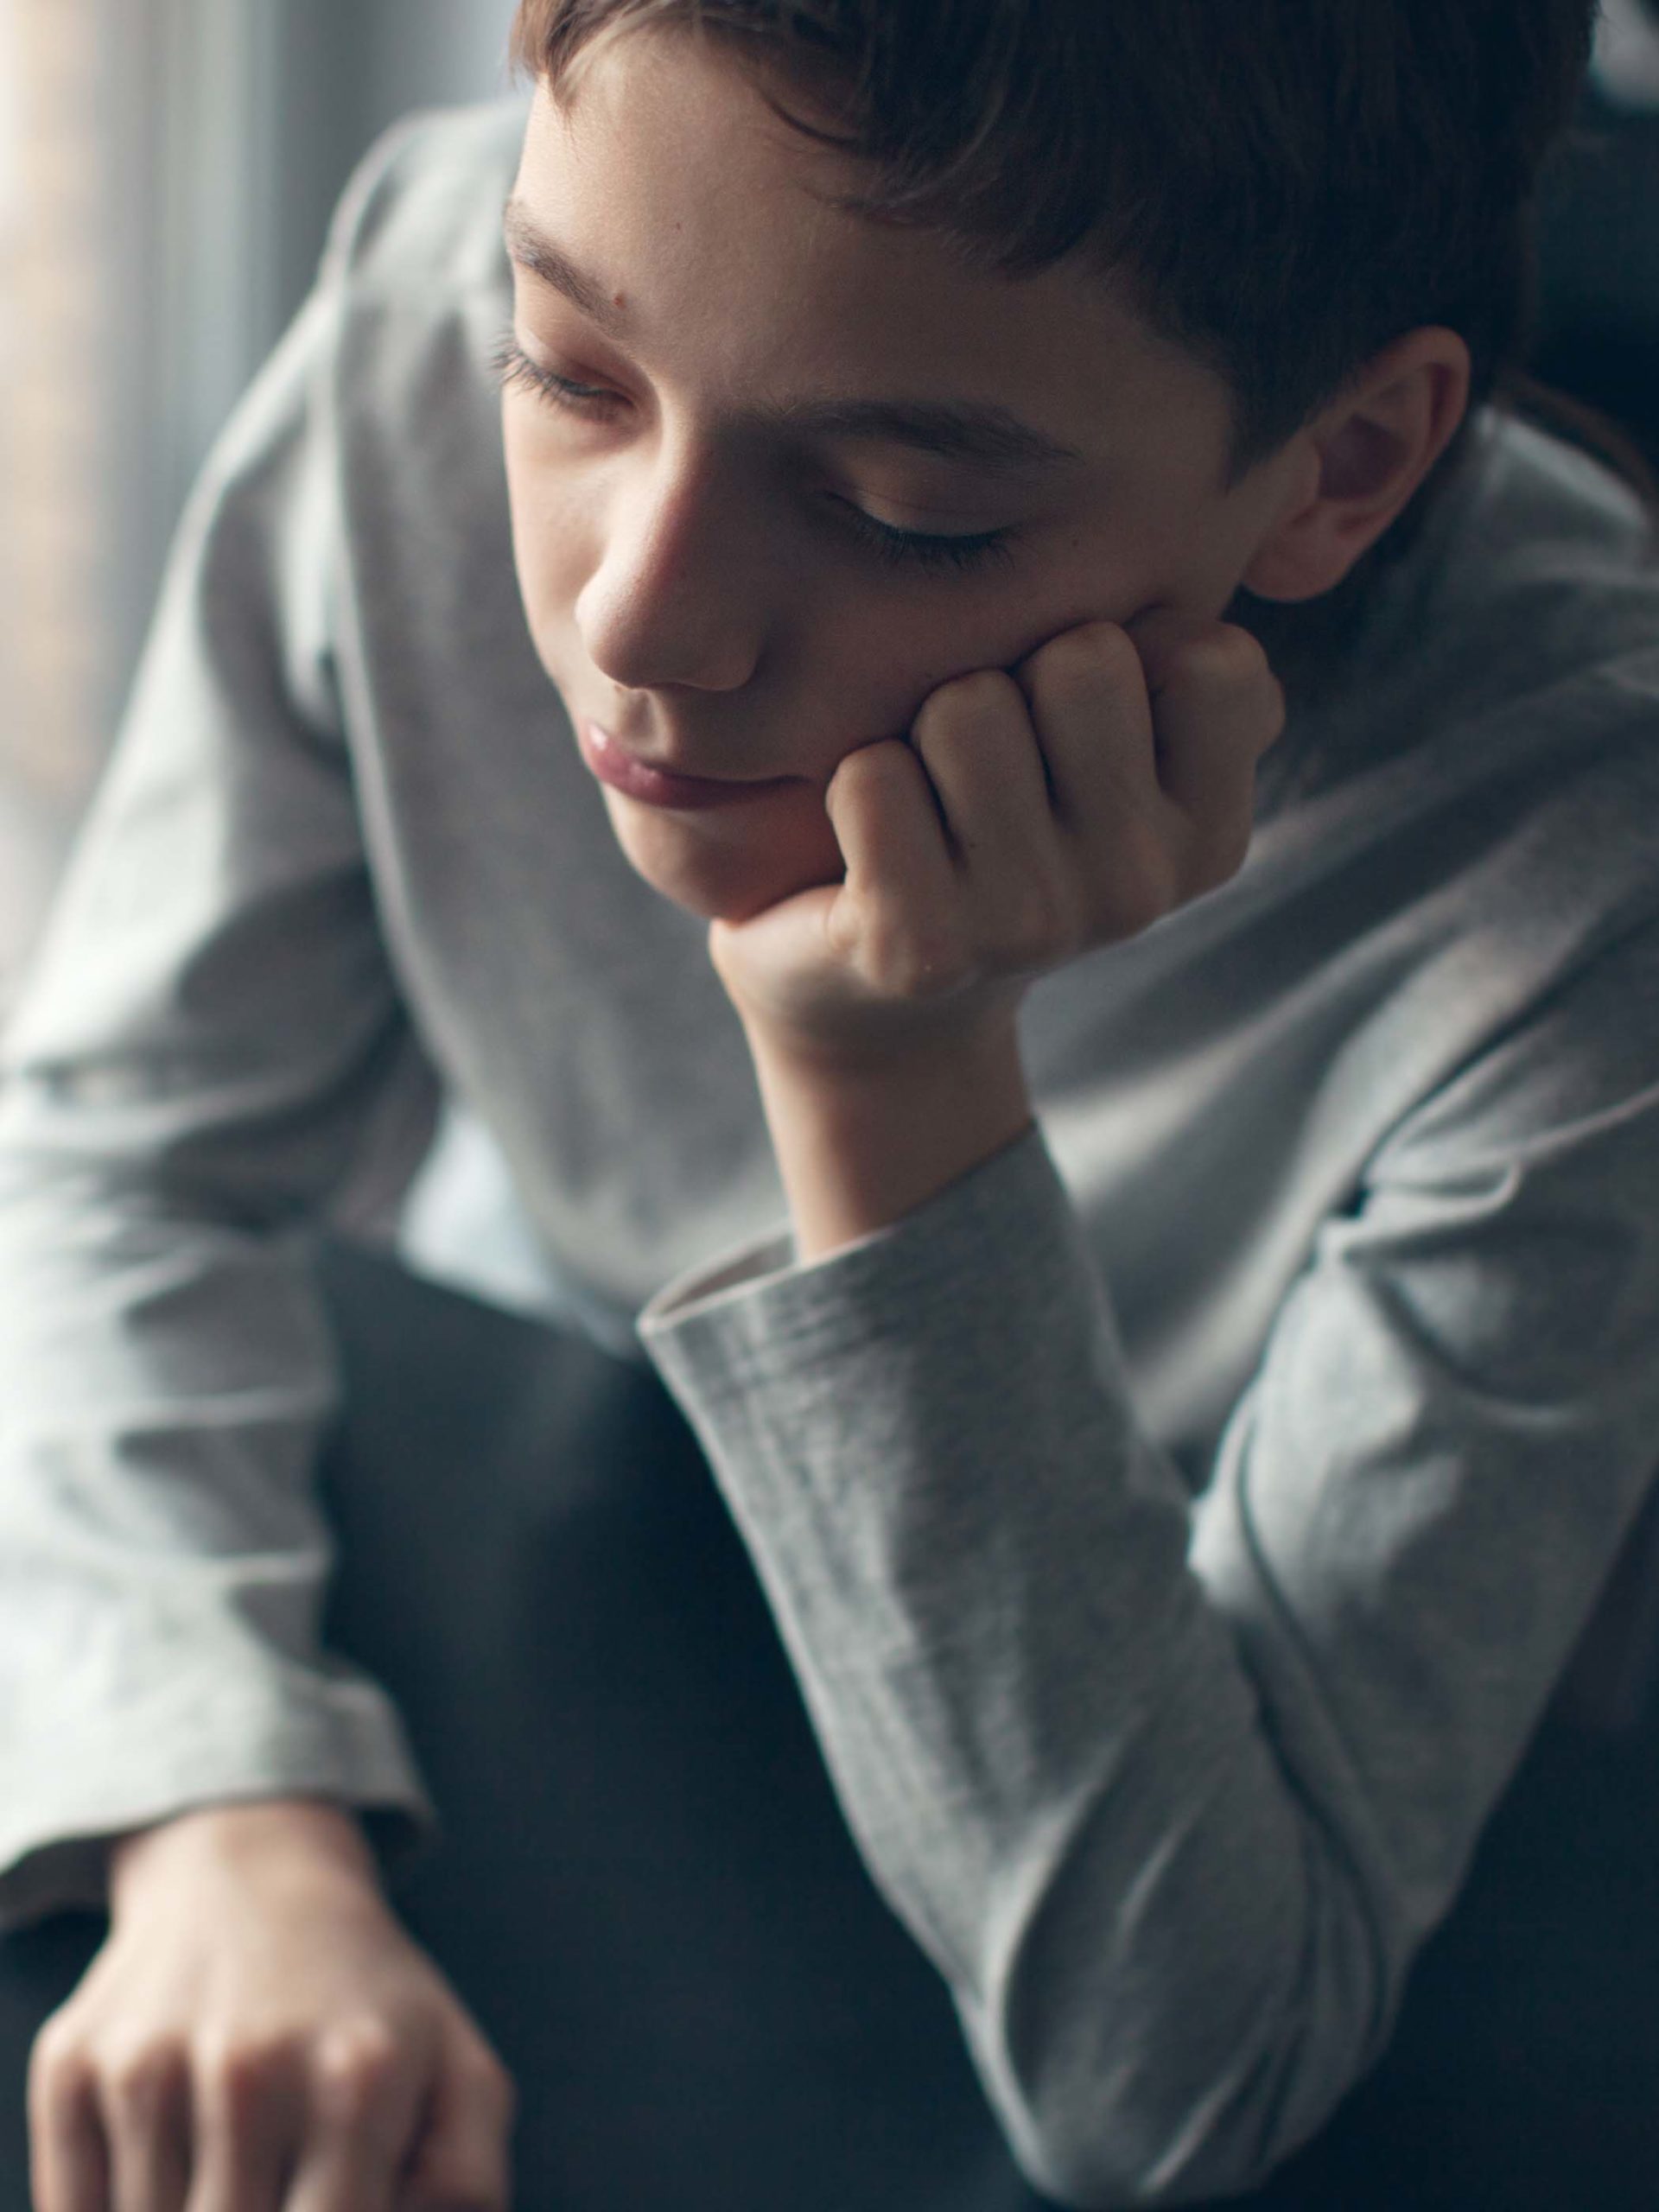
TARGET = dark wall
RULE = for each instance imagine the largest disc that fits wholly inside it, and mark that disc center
(1598, 322)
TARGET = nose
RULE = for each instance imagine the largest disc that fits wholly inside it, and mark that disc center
(678, 596)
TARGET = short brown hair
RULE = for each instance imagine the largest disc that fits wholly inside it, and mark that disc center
(1287, 185)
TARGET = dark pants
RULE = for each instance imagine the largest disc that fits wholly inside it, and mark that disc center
(647, 1895)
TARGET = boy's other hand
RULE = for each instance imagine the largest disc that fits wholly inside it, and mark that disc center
(260, 2034)
(1032, 816)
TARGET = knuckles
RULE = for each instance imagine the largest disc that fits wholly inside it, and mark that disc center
(353, 2063)
(1225, 656)
(80, 2071)
(232, 2074)
(140, 2081)
(1080, 661)
(889, 760)
(62, 2072)
(1043, 916)
(984, 696)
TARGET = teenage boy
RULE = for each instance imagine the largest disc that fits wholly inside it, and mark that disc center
(1163, 1261)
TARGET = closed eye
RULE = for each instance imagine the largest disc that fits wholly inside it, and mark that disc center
(513, 365)
(914, 545)
(897, 548)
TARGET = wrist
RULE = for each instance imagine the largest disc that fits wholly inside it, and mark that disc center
(240, 1833)
(936, 1042)
(858, 1148)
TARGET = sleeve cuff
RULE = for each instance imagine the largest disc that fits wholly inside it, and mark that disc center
(756, 1309)
(53, 1859)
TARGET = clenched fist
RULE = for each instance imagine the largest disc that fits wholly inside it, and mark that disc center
(1032, 816)
(260, 2034)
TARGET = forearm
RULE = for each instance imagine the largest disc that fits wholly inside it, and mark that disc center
(162, 1538)
(857, 1150)
(1171, 1784)
(1037, 1723)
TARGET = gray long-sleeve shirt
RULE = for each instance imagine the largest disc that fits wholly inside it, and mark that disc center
(1179, 1525)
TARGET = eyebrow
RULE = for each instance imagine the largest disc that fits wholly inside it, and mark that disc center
(980, 431)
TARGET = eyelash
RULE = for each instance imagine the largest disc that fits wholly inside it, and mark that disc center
(897, 548)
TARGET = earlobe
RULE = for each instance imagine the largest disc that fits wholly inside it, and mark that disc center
(1368, 453)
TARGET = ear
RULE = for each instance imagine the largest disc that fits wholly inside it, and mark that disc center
(1361, 459)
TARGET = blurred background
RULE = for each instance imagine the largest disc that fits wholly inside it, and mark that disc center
(167, 171)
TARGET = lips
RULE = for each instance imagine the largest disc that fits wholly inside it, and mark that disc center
(624, 770)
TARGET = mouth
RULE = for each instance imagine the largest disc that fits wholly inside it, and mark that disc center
(622, 771)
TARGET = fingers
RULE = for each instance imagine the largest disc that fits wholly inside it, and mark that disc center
(1217, 707)
(68, 2167)
(1153, 730)
(146, 2106)
(383, 2137)
(365, 2100)
(260, 2034)
(1088, 694)
(897, 916)
(462, 2161)
(104, 2136)
(1068, 803)
(1090, 710)
(1014, 875)
(358, 2133)
(249, 2116)
(952, 863)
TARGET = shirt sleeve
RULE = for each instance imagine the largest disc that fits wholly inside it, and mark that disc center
(1171, 1790)
(208, 1053)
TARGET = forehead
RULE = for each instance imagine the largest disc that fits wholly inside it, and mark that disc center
(702, 221)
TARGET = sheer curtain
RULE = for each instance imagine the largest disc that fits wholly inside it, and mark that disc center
(1627, 54)
(52, 341)
(167, 170)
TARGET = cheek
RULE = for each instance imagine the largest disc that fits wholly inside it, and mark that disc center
(1219, 540)
(550, 544)
(895, 648)
(1210, 578)
(878, 660)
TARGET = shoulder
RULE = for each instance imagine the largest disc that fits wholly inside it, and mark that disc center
(1552, 565)
(420, 216)
(1472, 821)
(1520, 633)
(1542, 511)
(1541, 569)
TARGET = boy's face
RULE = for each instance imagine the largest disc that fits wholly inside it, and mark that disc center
(697, 571)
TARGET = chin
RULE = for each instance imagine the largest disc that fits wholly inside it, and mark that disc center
(721, 868)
